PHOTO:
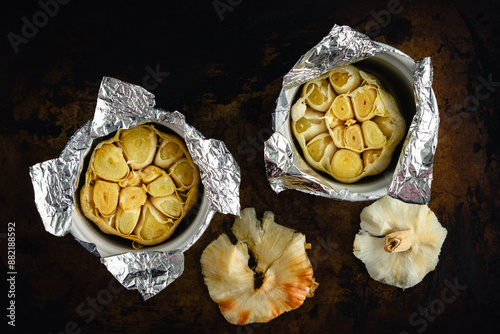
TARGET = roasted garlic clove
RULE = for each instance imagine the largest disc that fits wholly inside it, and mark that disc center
(373, 136)
(319, 152)
(338, 136)
(398, 242)
(108, 163)
(171, 205)
(346, 165)
(150, 173)
(310, 125)
(139, 146)
(126, 220)
(342, 108)
(344, 79)
(363, 102)
(153, 224)
(132, 198)
(183, 172)
(353, 138)
(162, 186)
(170, 150)
(318, 94)
(133, 179)
(105, 197)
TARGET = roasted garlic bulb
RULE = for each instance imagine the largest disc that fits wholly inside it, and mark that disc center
(346, 124)
(399, 242)
(281, 263)
(139, 184)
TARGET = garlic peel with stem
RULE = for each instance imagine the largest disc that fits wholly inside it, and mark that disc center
(399, 242)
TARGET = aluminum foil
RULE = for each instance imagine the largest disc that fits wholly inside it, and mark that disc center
(123, 105)
(411, 181)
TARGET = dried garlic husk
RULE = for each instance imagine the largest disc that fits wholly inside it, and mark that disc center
(363, 117)
(282, 263)
(399, 242)
(142, 203)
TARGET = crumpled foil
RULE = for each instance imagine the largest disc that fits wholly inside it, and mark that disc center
(123, 105)
(411, 181)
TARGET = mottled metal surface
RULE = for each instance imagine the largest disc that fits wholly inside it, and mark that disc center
(225, 75)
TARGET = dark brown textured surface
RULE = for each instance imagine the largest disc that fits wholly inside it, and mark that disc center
(225, 75)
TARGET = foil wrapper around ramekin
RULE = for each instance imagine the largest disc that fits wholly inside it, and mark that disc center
(56, 184)
(408, 177)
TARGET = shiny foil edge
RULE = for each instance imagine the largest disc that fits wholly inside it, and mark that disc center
(146, 272)
(285, 169)
(414, 171)
(124, 105)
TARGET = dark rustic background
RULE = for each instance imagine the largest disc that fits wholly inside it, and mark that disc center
(224, 71)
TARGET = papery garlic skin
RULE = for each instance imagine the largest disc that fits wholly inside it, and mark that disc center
(399, 242)
(282, 262)
(363, 117)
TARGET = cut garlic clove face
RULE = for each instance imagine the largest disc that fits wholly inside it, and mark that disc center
(183, 174)
(346, 165)
(363, 101)
(310, 125)
(153, 224)
(168, 152)
(353, 138)
(105, 197)
(342, 108)
(139, 146)
(162, 186)
(133, 179)
(373, 136)
(344, 79)
(171, 205)
(319, 94)
(150, 173)
(132, 198)
(319, 152)
(338, 136)
(108, 163)
(126, 220)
